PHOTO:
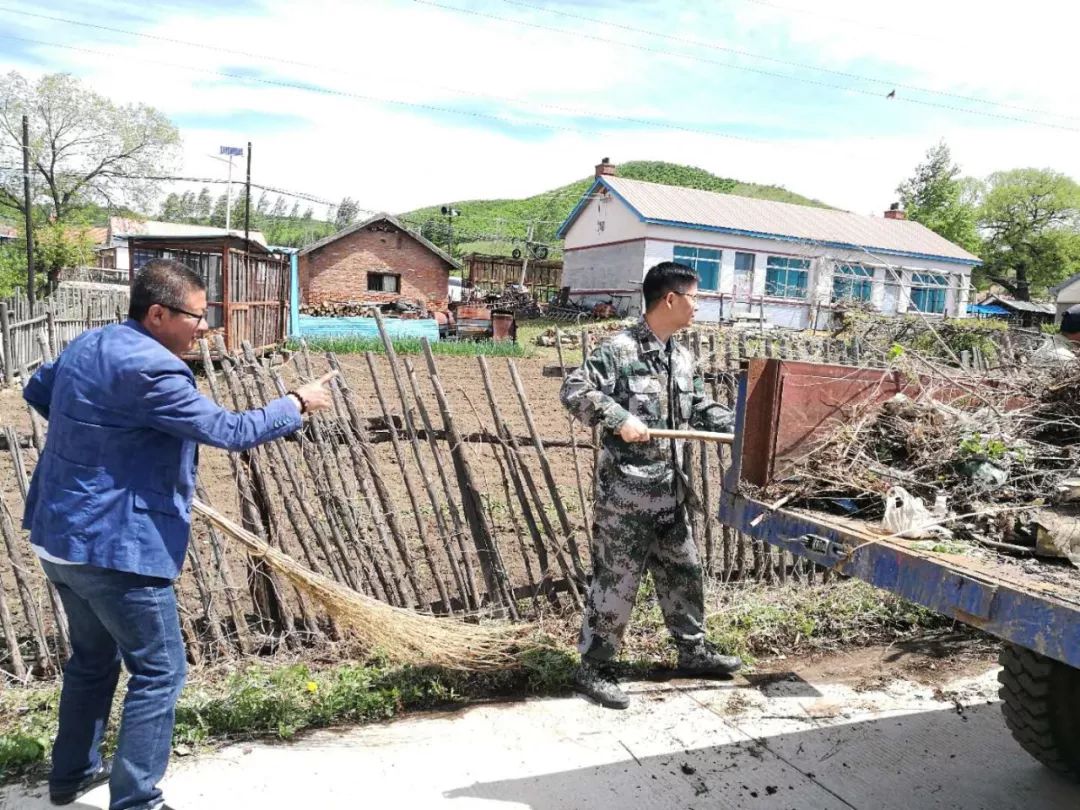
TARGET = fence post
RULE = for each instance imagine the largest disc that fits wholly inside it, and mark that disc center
(5, 329)
(50, 326)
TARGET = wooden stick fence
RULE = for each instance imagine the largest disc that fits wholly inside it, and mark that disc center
(407, 490)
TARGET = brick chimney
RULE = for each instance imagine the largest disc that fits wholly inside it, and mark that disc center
(895, 212)
(606, 168)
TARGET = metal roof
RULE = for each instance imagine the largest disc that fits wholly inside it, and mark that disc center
(1021, 306)
(122, 227)
(729, 213)
(1057, 288)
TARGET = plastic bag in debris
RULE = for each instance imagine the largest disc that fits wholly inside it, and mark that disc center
(907, 516)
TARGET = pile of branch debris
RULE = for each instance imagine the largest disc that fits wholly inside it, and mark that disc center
(992, 460)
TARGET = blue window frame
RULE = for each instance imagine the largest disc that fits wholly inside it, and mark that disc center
(705, 262)
(928, 292)
(852, 282)
(786, 277)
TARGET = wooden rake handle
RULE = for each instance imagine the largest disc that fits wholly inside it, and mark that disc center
(692, 435)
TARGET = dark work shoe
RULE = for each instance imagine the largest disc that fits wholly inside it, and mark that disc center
(93, 780)
(703, 658)
(598, 682)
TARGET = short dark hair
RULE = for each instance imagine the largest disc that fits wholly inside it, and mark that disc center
(162, 281)
(1070, 320)
(664, 278)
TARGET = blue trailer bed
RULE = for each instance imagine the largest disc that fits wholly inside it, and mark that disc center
(1032, 605)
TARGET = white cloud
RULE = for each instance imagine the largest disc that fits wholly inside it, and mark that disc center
(398, 158)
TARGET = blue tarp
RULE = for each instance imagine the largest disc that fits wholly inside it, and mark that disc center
(987, 309)
(316, 326)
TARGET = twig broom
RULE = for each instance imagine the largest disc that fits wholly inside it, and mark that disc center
(403, 636)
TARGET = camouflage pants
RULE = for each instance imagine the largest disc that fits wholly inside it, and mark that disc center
(626, 541)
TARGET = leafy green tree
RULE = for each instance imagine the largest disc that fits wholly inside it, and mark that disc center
(940, 199)
(1031, 218)
(217, 216)
(58, 247)
(172, 210)
(204, 207)
(347, 212)
(84, 148)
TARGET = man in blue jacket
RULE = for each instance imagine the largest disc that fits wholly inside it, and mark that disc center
(109, 512)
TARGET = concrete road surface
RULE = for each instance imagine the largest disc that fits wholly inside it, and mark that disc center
(773, 743)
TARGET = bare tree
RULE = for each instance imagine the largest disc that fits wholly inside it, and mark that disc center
(84, 148)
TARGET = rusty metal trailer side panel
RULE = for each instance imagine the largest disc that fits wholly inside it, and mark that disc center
(776, 415)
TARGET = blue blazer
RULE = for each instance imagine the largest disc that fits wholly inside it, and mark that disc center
(114, 484)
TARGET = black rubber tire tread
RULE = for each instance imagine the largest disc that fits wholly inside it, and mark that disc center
(1041, 703)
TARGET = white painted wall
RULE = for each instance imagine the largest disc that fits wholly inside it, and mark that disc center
(603, 220)
(1068, 296)
(593, 259)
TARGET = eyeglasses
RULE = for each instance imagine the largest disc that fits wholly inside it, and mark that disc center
(194, 315)
(691, 296)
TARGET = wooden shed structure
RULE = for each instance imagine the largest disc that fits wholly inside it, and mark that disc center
(543, 277)
(247, 284)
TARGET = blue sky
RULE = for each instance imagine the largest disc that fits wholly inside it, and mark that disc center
(400, 103)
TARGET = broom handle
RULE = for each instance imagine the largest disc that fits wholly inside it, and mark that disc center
(694, 435)
(253, 543)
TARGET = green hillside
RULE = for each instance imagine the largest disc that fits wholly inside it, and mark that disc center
(497, 226)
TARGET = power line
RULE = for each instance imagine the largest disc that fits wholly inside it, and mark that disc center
(679, 127)
(305, 86)
(745, 68)
(788, 62)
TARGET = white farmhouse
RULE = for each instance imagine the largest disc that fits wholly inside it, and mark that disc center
(788, 264)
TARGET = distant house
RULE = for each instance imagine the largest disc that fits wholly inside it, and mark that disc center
(7, 234)
(1066, 294)
(377, 260)
(113, 251)
(1026, 314)
(791, 264)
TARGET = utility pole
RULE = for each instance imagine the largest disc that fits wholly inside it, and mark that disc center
(247, 198)
(449, 212)
(231, 151)
(525, 255)
(30, 274)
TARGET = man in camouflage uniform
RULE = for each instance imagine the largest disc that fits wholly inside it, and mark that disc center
(643, 379)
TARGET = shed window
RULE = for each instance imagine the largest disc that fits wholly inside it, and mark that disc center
(383, 282)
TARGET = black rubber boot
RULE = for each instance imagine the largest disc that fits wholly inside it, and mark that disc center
(598, 682)
(704, 658)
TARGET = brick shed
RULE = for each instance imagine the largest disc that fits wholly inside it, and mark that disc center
(377, 260)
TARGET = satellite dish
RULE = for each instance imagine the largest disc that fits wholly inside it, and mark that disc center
(516, 253)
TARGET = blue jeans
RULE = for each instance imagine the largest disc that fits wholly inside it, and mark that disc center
(117, 616)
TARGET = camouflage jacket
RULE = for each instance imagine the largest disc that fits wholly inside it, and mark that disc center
(634, 374)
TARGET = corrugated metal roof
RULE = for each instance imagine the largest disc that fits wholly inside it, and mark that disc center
(675, 205)
(123, 226)
(1021, 306)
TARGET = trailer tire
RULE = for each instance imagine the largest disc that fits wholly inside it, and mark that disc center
(1041, 703)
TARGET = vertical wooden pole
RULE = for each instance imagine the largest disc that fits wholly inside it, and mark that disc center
(545, 469)
(492, 564)
(410, 490)
(5, 336)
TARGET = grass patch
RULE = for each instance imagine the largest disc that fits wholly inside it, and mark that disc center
(280, 699)
(454, 348)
